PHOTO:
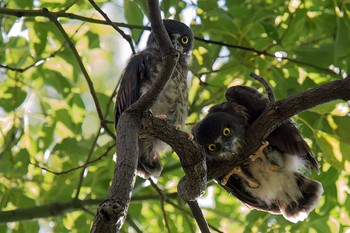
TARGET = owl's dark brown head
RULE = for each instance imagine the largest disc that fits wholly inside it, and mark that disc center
(180, 35)
(221, 134)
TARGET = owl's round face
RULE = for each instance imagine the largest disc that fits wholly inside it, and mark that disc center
(180, 35)
(221, 135)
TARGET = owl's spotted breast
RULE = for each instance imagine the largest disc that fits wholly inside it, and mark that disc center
(173, 99)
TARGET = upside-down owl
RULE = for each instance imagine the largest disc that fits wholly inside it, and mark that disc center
(172, 103)
(273, 179)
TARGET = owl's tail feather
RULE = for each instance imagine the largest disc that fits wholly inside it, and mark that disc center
(311, 192)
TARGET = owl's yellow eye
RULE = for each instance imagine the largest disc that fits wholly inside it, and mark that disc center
(226, 132)
(184, 40)
(212, 147)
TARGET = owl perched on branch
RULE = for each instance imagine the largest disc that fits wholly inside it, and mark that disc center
(172, 103)
(272, 179)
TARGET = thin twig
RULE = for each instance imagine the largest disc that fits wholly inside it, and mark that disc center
(121, 32)
(61, 14)
(269, 91)
(162, 201)
(43, 60)
(260, 52)
(185, 211)
(84, 71)
(81, 177)
(78, 167)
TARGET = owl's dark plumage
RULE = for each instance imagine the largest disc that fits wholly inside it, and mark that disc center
(138, 77)
(276, 183)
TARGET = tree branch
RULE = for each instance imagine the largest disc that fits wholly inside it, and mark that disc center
(198, 215)
(121, 32)
(191, 155)
(40, 13)
(268, 89)
(60, 208)
(45, 211)
(162, 201)
(264, 52)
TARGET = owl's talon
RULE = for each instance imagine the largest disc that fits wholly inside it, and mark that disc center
(142, 136)
(188, 134)
(252, 183)
(275, 168)
(177, 127)
(259, 154)
(162, 117)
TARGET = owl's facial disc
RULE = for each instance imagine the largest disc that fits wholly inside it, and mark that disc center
(176, 41)
(228, 148)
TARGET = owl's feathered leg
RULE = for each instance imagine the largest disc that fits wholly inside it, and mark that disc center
(259, 154)
(251, 182)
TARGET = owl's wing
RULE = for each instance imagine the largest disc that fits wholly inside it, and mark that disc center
(135, 73)
(235, 187)
(248, 97)
(286, 137)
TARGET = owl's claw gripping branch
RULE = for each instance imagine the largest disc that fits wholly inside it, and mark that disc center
(189, 134)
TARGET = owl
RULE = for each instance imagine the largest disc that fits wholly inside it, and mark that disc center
(273, 178)
(172, 103)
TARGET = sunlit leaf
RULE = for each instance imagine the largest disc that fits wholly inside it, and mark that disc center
(133, 15)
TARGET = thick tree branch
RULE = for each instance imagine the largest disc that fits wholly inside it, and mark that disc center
(198, 215)
(278, 112)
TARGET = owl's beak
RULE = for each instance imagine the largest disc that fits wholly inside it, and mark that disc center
(177, 44)
(227, 146)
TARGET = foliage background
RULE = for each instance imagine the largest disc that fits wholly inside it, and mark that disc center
(56, 148)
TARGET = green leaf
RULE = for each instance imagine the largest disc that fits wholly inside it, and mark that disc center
(330, 147)
(94, 40)
(23, 4)
(133, 15)
(342, 129)
(11, 98)
(342, 48)
(326, 108)
(73, 149)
